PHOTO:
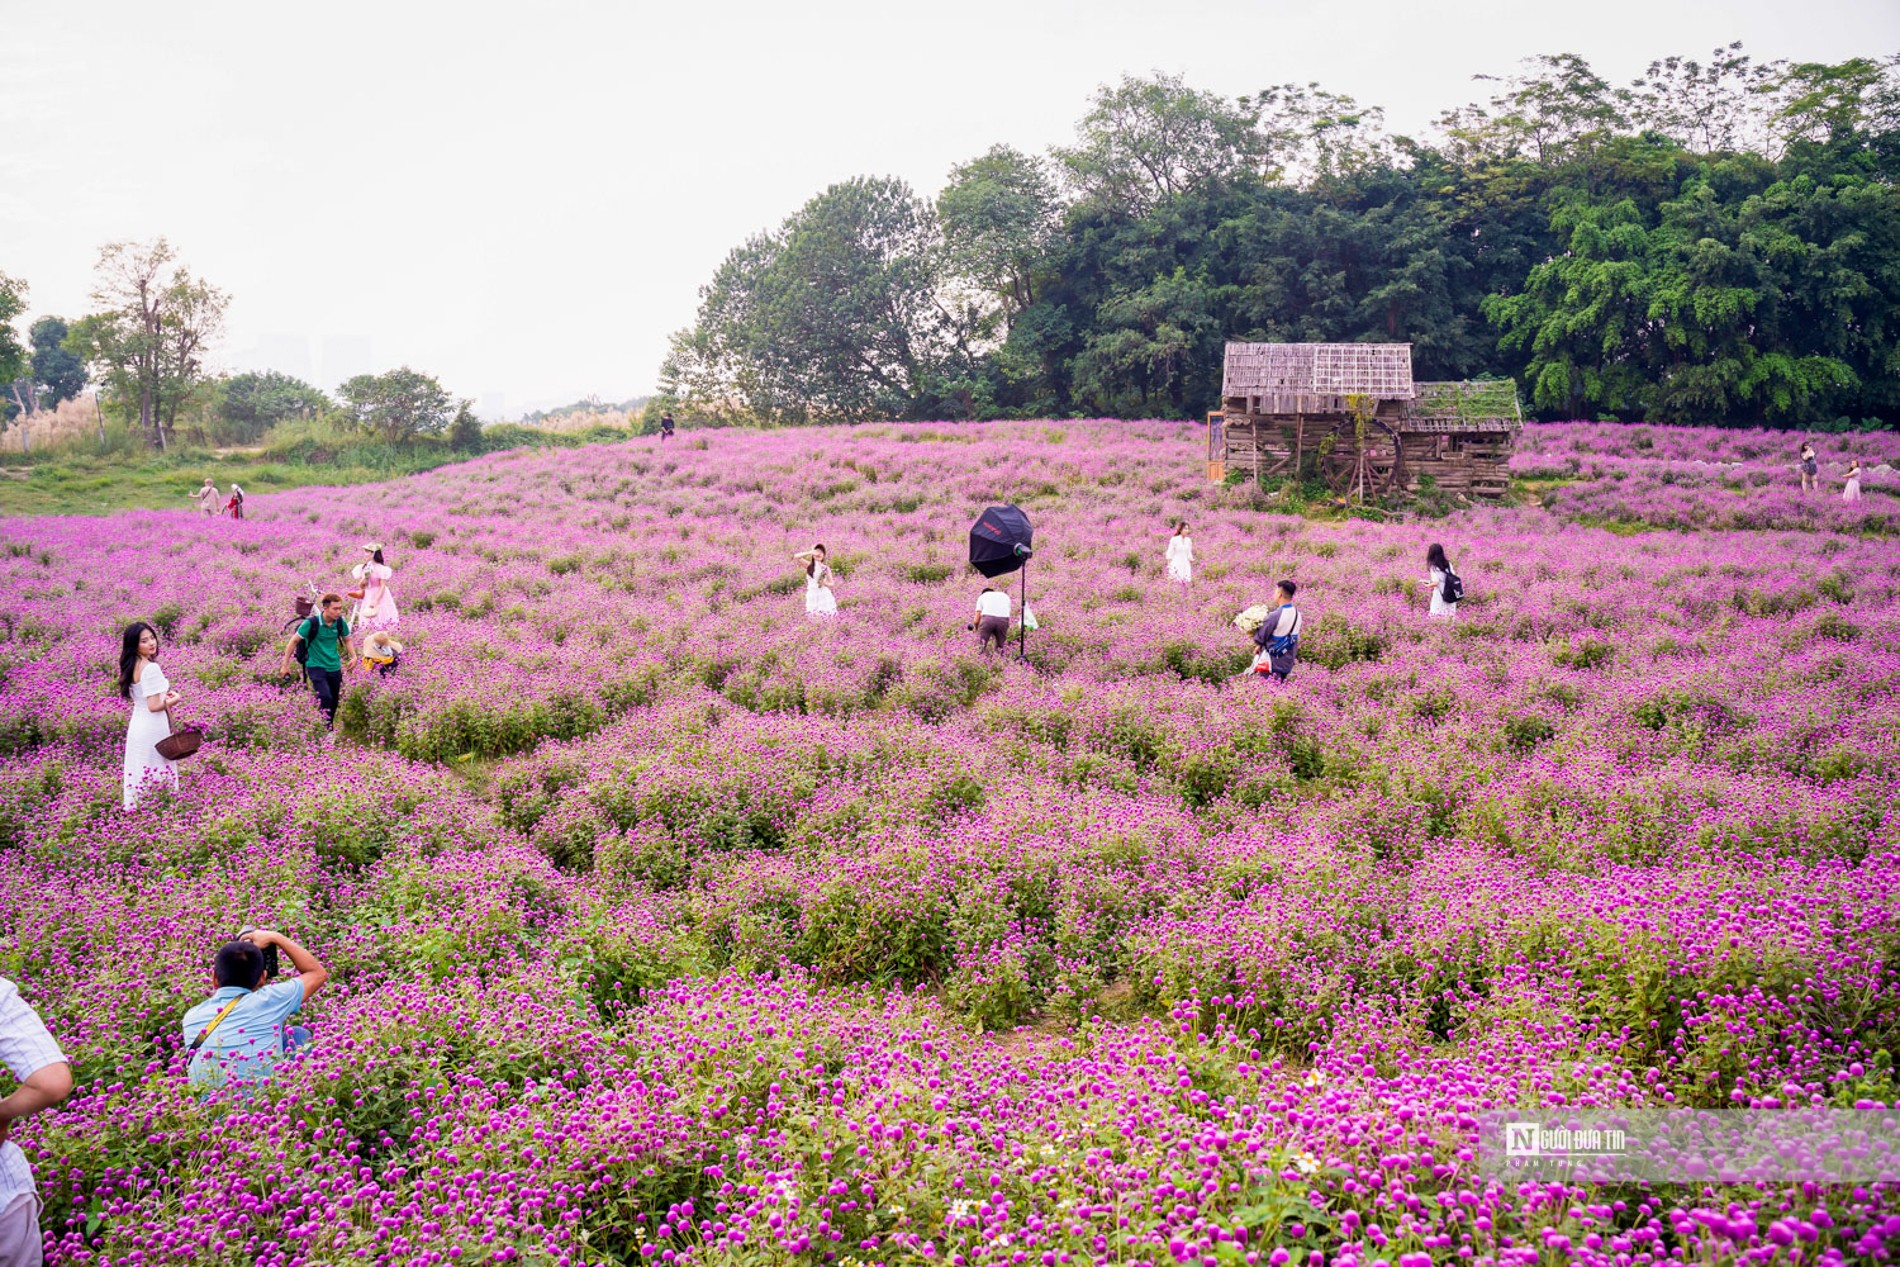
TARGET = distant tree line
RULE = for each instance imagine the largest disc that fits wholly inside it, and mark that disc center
(1718, 242)
(145, 345)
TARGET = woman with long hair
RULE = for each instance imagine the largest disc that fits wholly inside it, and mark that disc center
(819, 600)
(1438, 567)
(1810, 469)
(1851, 492)
(377, 609)
(1181, 555)
(143, 683)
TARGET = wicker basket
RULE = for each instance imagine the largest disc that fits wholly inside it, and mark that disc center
(179, 744)
(304, 607)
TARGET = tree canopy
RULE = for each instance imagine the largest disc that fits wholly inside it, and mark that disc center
(399, 405)
(1717, 242)
(148, 339)
(252, 403)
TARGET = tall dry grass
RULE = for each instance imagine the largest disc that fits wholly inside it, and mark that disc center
(586, 420)
(71, 423)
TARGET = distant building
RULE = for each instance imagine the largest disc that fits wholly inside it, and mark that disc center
(1351, 414)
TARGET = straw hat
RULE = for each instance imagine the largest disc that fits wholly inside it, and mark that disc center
(371, 547)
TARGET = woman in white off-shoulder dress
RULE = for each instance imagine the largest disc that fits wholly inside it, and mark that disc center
(143, 683)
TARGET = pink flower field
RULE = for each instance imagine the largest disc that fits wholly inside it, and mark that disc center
(667, 924)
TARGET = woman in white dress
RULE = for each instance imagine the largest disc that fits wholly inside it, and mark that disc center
(1438, 566)
(1851, 493)
(377, 608)
(143, 683)
(1181, 555)
(819, 600)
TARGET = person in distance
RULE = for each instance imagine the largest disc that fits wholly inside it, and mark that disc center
(207, 497)
(1180, 555)
(45, 1078)
(238, 1036)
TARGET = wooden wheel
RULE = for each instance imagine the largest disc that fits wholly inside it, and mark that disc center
(1385, 462)
(1339, 468)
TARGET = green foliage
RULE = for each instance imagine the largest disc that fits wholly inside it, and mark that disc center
(251, 404)
(830, 317)
(1715, 244)
(148, 342)
(397, 406)
(13, 356)
(465, 433)
(1584, 653)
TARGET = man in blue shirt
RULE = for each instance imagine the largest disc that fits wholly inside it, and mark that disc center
(237, 1036)
(1279, 635)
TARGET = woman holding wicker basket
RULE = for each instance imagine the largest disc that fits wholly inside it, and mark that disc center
(143, 683)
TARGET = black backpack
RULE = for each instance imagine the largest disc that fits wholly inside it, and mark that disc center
(304, 634)
(1454, 587)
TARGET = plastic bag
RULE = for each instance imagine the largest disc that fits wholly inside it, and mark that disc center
(1029, 617)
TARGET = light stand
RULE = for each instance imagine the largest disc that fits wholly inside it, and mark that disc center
(1022, 625)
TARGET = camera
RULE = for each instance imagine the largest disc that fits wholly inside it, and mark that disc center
(270, 952)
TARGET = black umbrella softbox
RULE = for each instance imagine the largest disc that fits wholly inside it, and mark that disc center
(1000, 541)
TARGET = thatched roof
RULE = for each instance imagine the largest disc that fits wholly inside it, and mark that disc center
(1382, 371)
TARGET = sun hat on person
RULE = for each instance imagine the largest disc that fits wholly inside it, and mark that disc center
(371, 547)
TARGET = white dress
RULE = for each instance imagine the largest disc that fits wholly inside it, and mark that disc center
(1439, 606)
(1852, 491)
(819, 600)
(142, 734)
(1180, 558)
(378, 608)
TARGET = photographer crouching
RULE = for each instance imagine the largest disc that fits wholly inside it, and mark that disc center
(238, 1035)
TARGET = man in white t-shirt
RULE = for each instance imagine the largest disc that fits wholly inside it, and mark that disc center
(30, 1053)
(992, 618)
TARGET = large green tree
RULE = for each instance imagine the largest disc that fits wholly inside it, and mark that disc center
(1144, 141)
(999, 214)
(253, 403)
(148, 340)
(399, 405)
(837, 315)
(57, 374)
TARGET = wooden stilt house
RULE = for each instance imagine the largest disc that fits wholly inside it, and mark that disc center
(1352, 414)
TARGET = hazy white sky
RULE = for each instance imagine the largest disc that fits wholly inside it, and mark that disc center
(523, 198)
